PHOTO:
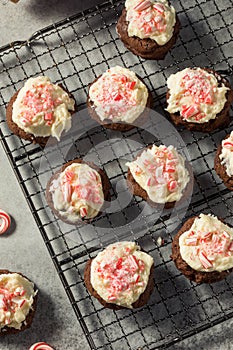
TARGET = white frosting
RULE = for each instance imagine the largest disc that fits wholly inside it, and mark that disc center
(195, 94)
(118, 95)
(16, 299)
(226, 155)
(77, 192)
(120, 273)
(207, 245)
(42, 108)
(156, 21)
(161, 172)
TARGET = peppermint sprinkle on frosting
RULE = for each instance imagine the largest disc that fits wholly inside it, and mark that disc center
(16, 299)
(77, 192)
(195, 94)
(118, 95)
(207, 245)
(42, 108)
(161, 172)
(226, 155)
(120, 273)
(150, 19)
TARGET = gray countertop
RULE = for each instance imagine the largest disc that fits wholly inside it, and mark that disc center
(22, 249)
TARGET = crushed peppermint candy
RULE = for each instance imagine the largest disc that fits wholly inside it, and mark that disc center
(122, 271)
(16, 299)
(158, 168)
(85, 190)
(42, 108)
(208, 245)
(121, 274)
(39, 100)
(197, 85)
(80, 189)
(149, 16)
(196, 94)
(118, 92)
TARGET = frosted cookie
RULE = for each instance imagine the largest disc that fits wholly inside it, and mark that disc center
(203, 249)
(18, 299)
(121, 276)
(148, 29)
(78, 191)
(199, 99)
(223, 163)
(117, 99)
(159, 175)
(40, 110)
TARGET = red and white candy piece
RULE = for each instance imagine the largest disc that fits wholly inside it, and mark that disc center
(227, 144)
(206, 263)
(83, 212)
(41, 346)
(5, 221)
(159, 8)
(143, 5)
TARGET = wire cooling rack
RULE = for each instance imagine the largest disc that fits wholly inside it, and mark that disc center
(74, 52)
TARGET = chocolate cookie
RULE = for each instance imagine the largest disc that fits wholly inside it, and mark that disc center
(137, 190)
(188, 271)
(146, 48)
(221, 120)
(41, 140)
(143, 299)
(105, 186)
(221, 169)
(120, 126)
(29, 318)
(120, 272)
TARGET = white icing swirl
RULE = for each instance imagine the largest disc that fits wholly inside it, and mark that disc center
(120, 273)
(42, 108)
(118, 95)
(161, 172)
(208, 245)
(195, 94)
(16, 299)
(226, 155)
(77, 192)
(150, 19)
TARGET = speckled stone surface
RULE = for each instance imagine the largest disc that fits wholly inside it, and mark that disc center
(22, 249)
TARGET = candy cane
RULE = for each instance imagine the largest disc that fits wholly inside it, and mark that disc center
(5, 221)
(41, 346)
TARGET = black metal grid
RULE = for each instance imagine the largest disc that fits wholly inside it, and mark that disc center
(75, 51)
